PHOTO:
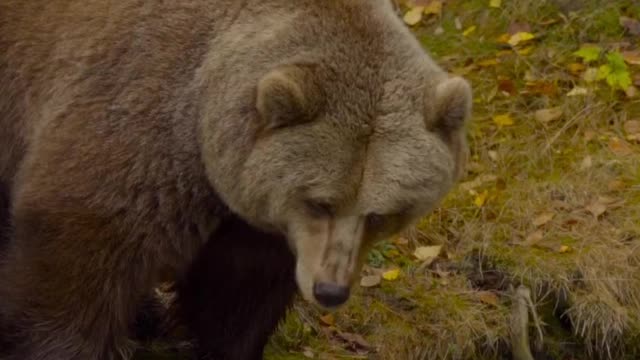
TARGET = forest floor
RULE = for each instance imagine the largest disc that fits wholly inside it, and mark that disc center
(537, 250)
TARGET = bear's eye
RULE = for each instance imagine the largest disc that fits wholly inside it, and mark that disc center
(375, 222)
(318, 209)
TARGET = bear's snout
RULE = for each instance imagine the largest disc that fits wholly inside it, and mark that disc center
(330, 295)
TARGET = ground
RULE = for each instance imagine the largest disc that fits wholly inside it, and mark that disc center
(537, 251)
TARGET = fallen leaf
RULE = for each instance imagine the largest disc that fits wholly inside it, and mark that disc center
(590, 75)
(504, 38)
(503, 120)
(517, 27)
(543, 219)
(533, 238)
(564, 249)
(481, 198)
(631, 57)
(620, 147)
(469, 30)
(493, 155)
(414, 15)
(427, 253)
(391, 275)
(632, 26)
(488, 297)
(507, 85)
(401, 241)
(548, 115)
(370, 281)
(520, 37)
(356, 341)
(631, 92)
(328, 319)
(586, 163)
(487, 62)
(588, 53)
(596, 208)
(479, 180)
(542, 87)
(308, 353)
(526, 51)
(616, 185)
(589, 135)
(457, 23)
(433, 8)
(578, 91)
(495, 3)
(576, 68)
(631, 127)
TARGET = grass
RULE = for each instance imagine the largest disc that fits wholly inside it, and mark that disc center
(560, 214)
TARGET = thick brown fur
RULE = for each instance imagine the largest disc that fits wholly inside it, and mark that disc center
(130, 130)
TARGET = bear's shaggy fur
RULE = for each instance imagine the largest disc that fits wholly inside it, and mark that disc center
(132, 131)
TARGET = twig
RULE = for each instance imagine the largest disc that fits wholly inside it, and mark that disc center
(520, 324)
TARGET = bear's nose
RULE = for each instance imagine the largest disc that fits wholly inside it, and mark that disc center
(329, 294)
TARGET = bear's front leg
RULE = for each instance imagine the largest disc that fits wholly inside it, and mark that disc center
(236, 292)
(71, 279)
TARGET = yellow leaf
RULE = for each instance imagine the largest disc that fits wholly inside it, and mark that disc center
(481, 198)
(328, 319)
(433, 8)
(576, 68)
(469, 30)
(413, 16)
(503, 120)
(564, 249)
(504, 38)
(487, 62)
(520, 37)
(391, 274)
(495, 3)
(525, 51)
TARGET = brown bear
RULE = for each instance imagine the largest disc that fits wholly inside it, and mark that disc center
(131, 132)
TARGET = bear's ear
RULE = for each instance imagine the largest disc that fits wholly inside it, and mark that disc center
(288, 95)
(452, 106)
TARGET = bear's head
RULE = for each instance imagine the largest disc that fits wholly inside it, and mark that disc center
(350, 140)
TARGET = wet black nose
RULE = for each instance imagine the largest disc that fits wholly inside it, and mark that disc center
(330, 295)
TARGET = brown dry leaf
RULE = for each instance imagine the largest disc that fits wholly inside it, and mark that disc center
(548, 115)
(493, 155)
(516, 27)
(328, 319)
(616, 185)
(508, 86)
(578, 91)
(541, 87)
(631, 57)
(589, 135)
(543, 218)
(632, 26)
(620, 147)
(631, 92)
(596, 208)
(631, 127)
(533, 238)
(370, 281)
(488, 297)
(355, 341)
